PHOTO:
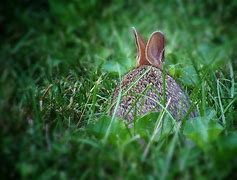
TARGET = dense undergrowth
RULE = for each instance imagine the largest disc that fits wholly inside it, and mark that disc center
(60, 62)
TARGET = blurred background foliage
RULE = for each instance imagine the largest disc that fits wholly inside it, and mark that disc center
(59, 64)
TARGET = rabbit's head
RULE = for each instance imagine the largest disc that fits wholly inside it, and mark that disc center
(152, 52)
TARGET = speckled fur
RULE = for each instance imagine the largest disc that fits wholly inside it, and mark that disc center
(143, 96)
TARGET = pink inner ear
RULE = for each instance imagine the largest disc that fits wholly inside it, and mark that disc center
(160, 49)
(155, 49)
(155, 52)
(141, 45)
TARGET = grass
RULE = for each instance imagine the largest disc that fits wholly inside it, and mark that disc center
(60, 62)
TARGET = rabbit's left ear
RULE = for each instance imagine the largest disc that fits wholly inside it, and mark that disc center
(155, 49)
(141, 46)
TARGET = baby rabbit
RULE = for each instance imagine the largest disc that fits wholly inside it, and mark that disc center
(149, 88)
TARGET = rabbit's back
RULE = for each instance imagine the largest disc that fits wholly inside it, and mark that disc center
(143, 91)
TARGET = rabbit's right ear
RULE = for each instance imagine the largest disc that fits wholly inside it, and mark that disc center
(155, 49)
(141, 46)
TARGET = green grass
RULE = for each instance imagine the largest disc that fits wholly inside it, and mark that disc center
(60, 62)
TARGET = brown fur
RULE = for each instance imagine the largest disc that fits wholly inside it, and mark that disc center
(151, 86)
(142, 88)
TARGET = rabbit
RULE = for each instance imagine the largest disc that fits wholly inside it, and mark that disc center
(142, 90)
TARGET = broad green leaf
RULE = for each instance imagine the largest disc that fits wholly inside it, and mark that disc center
(189, 76)
(203, 130)
(118, 130)
(227, 147)
(112, 66)
(145, 125)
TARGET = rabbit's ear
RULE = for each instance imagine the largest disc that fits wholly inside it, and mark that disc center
(155, 49)
(141, 46)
